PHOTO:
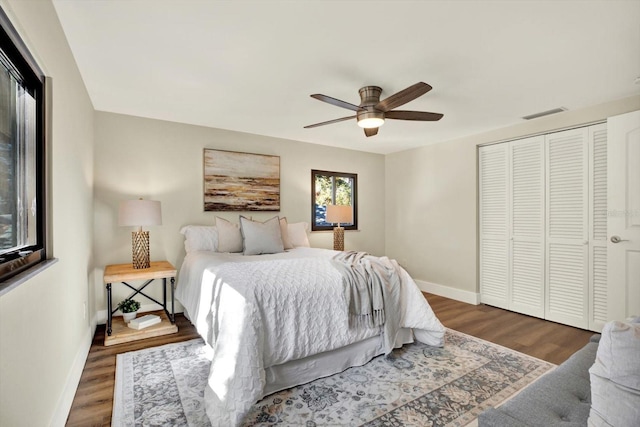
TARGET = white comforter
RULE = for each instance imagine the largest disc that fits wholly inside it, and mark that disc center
(261, 311)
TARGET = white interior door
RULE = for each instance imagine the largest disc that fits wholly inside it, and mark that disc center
(623, 220)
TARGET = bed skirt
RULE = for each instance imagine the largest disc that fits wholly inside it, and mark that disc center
(302, 371)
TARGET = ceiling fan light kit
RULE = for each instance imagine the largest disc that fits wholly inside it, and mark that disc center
(370, 122)
(368, 116)
(371, 113)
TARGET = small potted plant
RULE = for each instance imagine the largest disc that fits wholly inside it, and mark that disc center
(129, 308)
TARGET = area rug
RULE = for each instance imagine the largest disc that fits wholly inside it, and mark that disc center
(416, 385)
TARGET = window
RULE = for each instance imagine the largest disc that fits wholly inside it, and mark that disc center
(332, 188)
(22, 221)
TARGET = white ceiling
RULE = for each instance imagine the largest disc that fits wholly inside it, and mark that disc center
(250, 66)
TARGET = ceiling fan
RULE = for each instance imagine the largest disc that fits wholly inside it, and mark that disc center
(371, 113)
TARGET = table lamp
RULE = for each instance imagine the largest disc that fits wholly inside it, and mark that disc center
(139, 213)
(339, 214)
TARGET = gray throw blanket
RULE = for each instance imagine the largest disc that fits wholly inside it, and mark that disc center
(365, 283)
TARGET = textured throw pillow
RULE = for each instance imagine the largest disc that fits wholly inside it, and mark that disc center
(200, 238)
(261, 237)
(284, 232)
(298, 234)
(615, 377)
(229, 236)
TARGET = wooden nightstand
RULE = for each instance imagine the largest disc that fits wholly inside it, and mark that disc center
(117, 331)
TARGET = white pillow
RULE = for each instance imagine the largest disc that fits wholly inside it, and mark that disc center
(615, 377)
(229, 236)
(261, 237)
(298, 234)
(618, 357)
(284, 233)
(200, 238)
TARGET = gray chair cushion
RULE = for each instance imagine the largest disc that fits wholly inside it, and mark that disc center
(496, 418)
(555, 399)
(560, 398)
(580, 362)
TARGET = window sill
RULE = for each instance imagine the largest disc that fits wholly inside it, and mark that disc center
(17, 280)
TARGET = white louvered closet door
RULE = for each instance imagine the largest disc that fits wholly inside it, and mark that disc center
(567, 284)
(598, 302)
(494, 225)
(527, 226)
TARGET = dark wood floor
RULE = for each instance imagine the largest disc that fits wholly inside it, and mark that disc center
(539, 338)
(93, 402)
(549, 341)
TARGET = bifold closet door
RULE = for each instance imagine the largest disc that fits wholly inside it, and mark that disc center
(527, 226)
(494, 225)
(598, 215)
(567, 203)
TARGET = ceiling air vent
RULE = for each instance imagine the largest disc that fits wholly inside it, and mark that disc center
(545, 113)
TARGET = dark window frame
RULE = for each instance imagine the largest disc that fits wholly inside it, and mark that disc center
(22, 259)
(354, 192)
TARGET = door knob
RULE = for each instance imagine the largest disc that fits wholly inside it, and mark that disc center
(617, 239)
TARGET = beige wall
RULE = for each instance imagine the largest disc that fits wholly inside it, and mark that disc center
(159, 160)
(44, 333)
(431, 198)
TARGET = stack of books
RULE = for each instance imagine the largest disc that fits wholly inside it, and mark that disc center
(144, 321)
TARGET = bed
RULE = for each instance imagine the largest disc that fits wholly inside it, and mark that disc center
(280, 320)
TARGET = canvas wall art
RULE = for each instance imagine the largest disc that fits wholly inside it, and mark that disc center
(241, 181)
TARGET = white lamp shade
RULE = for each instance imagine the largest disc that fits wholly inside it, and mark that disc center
(138, 213)
(338, 214)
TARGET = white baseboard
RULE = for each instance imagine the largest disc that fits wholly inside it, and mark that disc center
(102, 314)
(73, 379)
(449, 292)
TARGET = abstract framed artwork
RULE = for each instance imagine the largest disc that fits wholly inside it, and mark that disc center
(241, 181)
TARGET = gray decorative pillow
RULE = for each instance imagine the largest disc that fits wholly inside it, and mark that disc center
(261, 237)
(229, 237)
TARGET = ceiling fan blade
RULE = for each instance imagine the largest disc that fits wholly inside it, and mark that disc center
(402, 97)
(371, 131)
(336, 102)
(329, 122)
(422, 116)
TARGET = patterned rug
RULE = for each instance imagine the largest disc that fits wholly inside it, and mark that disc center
(415, 385)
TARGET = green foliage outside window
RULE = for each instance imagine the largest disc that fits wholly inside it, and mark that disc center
(324, 190)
